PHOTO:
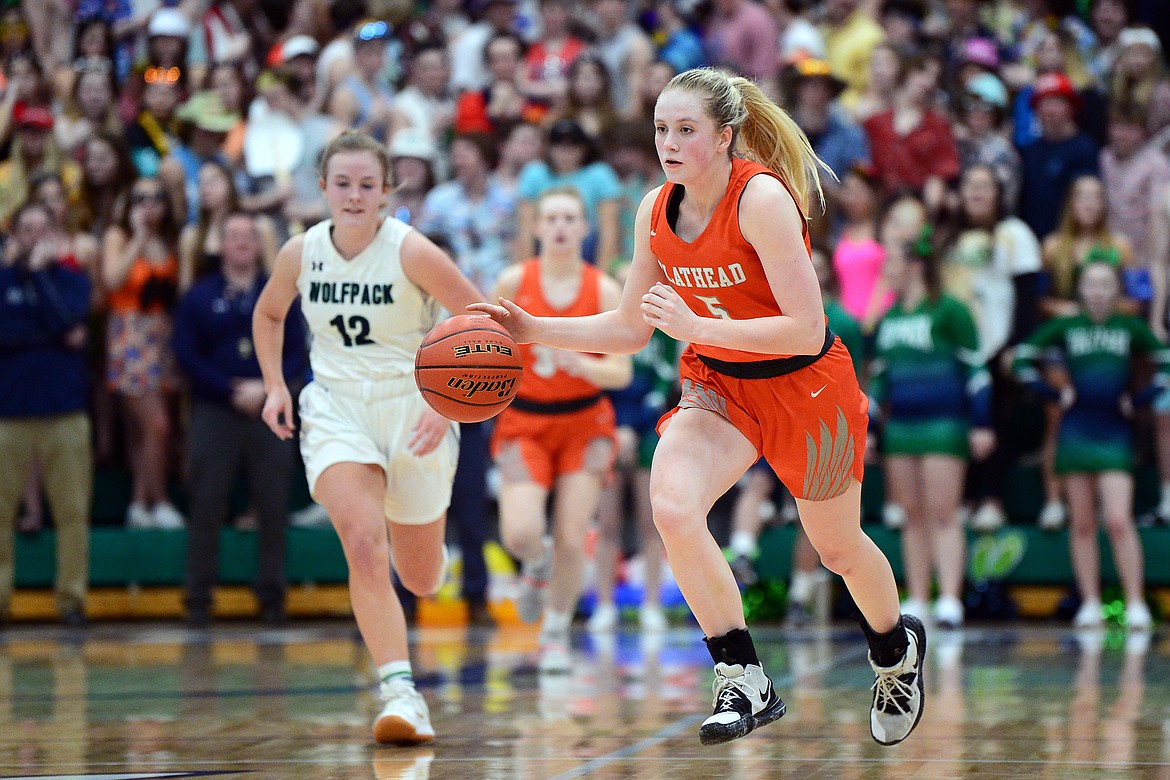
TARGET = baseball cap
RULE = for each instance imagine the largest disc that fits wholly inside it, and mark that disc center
(299, 46)
(410, 142)
(170, 22)
(1055, 85)
(988, 88)
(32, 117)
(206, 111)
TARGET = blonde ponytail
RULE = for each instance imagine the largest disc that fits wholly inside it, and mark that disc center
(761, 130)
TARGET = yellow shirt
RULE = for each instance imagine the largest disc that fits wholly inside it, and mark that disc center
(849, 47)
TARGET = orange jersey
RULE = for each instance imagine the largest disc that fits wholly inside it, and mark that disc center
(718, 274)
(543, 381)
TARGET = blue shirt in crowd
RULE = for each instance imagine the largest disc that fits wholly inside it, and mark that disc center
(39, 374)
(1049, 169)
(213, 338)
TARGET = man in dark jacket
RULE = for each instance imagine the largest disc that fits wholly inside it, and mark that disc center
(44, 300)
(213, 344)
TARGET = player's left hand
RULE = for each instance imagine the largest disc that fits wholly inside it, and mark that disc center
(427, 433)
(665, 309)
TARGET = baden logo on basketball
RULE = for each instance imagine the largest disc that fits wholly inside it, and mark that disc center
(503, 388)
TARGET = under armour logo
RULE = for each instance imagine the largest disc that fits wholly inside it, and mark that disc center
(318, 265)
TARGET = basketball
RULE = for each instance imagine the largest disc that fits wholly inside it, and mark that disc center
(468, 368)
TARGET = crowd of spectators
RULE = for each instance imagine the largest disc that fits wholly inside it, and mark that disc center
(170, 147)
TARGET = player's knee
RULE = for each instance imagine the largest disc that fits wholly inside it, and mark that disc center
(839, 558)
(421, 584)
(523, 542)
(1117, 524)
(672, 515)
(366, 549)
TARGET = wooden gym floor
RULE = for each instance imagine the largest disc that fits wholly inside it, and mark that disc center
(159, 701)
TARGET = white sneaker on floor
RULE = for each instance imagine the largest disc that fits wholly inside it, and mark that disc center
(604, 618)
(405, 718)
(893, 516)
(919, 609)
(139, 517)
(1052, 517)
(555, 657)
(988, 518)
(652, 619)
(948, 612)
(1138, 617)
(1089, 615)
(167, 517)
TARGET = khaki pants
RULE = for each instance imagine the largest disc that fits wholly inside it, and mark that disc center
(61, 444)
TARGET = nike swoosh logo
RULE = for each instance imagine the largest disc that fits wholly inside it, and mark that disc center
(653, 233)
(818, 392)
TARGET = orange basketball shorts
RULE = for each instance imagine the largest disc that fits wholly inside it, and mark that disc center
(528, 446)
(810, 424)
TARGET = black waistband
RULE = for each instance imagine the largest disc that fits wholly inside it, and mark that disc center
(555, 407)
(766, 369)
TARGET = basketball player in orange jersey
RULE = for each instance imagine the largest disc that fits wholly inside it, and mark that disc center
(721, 260)
(376, 456)
(560, 432)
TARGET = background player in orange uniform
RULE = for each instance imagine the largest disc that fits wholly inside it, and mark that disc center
(560, 431)
(721, 260)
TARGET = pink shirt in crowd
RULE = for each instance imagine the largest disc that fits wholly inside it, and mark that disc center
(859, 267)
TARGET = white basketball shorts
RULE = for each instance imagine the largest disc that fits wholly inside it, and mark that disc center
(370, 422)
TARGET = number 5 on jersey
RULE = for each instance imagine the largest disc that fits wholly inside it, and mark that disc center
(714, 306)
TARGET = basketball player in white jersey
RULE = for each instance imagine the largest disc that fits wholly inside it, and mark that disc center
(376, 456)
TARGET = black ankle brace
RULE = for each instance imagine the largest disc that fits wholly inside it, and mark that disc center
(734, 647)
(889, 648)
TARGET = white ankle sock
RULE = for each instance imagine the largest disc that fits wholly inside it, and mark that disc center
(395, 670)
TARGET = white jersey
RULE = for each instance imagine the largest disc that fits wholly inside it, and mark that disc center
(366, 317)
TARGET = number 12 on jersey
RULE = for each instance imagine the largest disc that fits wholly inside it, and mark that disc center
(357, 323)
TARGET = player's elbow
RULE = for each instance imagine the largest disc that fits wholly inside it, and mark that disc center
(810, 338)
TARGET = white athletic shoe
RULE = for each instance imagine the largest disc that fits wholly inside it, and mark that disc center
(604, 618)
(405, 718)
(899, 690)
(1052, 516)
(947, 612)
(652, 619)
(311, 516)
(139, 517)
(1089, 615)
(555, 657)
(744, 700)
(893, 516)
(167, 517)
(987, 519)
(1138, 617)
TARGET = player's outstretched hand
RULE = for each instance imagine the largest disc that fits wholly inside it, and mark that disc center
(278, 413)
(518, 322)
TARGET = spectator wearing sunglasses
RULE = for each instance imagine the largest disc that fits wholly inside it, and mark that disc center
(140, 269)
